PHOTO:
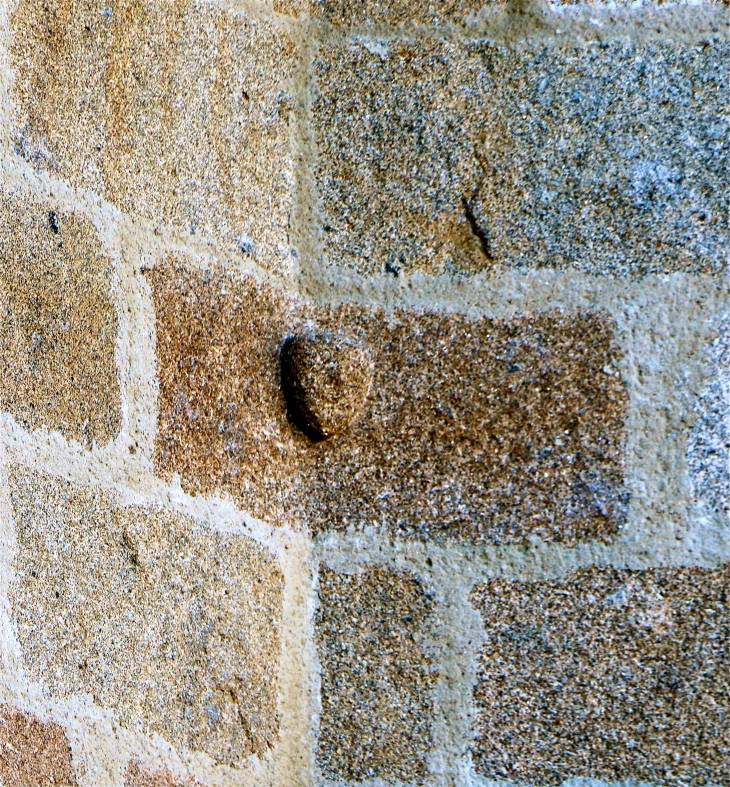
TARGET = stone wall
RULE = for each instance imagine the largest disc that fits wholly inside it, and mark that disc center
(365, 394)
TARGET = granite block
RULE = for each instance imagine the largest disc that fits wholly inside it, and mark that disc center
(482, 430)
(177, 112)
(58, 323)
(170, 624)
(610, 158)
(608, 674)
(377, 677)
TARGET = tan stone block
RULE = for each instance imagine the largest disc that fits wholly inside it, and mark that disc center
(175, 111)
(376, 677)
(481, 430)
(607, 158)
(607, 674)
(58, 324)
(138, 775)
(173, 626)
(33, 753)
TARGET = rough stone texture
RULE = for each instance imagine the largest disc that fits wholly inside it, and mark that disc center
(172, 625)
(326, 378)
(58, 325)
(395, 12)
(376, 678)
(607, 674)
(138, 775)
(482, 430)
(412, 12)
(33, 753)
(222, 415)
(610, 158)
(176, 111)
(708, 442)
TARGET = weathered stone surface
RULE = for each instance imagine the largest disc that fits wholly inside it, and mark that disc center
(376, 677)
(33, 753)
(222, 415)
(138, 775)
(411, 12)
(708, 441)
(610, 158)
(170, 624)
(174, 111)
(397, 12)
(488, 430)
(58, 325)
(608, 674)
(326, 378)
(484, 430)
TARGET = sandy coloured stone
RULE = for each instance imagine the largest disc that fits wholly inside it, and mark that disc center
(326, 379)
(139, 775)
(485, 430)
(58, 323)
(33, 753)
(175, 111)
(376, 677)
(607, 674)
(158, 617)
(609, 158)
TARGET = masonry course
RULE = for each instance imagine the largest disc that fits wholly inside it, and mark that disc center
(173, 626)
(33, 752)
(607, 674)
(177, 112)
(442, 156)
(59, 323)
(377, 678)
(476, 430)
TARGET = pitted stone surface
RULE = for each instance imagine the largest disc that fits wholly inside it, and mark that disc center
(139, 775)
(58, 324)
(222, 414)
(708, 441)
(610, 158)
(376, 677)
(479, 430)
(326, 379)
(346, 12)
(405, 13)
(33, 753)
(173, 626)
(175, 111)
(608, 674)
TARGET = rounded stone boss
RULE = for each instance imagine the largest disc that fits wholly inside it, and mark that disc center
(326, 378)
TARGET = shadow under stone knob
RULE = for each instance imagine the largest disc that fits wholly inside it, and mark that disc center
(326, 378)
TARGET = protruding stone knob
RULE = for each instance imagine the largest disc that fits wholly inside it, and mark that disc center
(326, 378)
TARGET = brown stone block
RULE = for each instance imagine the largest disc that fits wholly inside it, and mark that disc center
(222, 415)
(174, 111)
(394, 12)
(33, 753)
(138, 775)
(376, 677)
(58, 325)
(608, 674)
(173, 626)
(481, 430)
(610, 159)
